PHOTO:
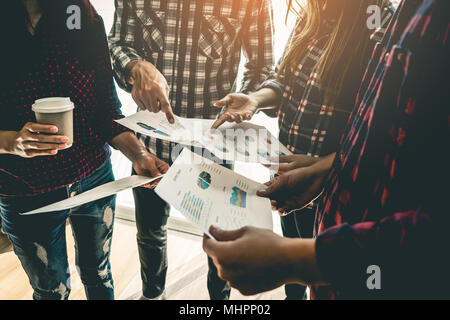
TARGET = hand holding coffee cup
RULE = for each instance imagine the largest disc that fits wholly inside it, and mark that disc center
(35, 140)
(57, 112)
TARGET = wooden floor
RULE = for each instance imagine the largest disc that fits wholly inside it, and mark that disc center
(186, 278)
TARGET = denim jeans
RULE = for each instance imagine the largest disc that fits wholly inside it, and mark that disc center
(299, 224)
(152, 214)
(39, 241)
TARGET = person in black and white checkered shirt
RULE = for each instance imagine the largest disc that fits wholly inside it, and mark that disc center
(180, 57)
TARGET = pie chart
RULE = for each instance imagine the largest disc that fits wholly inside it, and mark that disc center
(204, 180)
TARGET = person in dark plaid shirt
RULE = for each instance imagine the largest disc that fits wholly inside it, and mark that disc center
(46, 59)
(180, 57)
(383, 217)
(311, 118)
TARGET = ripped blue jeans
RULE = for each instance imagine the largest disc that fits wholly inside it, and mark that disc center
(40, 240)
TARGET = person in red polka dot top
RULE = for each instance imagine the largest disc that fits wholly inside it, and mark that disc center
(46, 58)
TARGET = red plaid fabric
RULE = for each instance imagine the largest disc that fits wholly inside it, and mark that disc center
(308, 125)
(58, 73)
(383, 204)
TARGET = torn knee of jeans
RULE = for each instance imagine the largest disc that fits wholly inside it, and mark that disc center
(107, 247)
(103, 273)
(109, 284)
(41, 253)
(62, 291)
(108, 216)
(95, 275)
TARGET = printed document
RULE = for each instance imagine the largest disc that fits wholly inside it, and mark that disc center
(209, 194)
(100, 192)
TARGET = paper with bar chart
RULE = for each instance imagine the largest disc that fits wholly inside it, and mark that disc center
(209, 194)
(245, 142)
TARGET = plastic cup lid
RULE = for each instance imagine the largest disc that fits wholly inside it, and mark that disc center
(52, 105)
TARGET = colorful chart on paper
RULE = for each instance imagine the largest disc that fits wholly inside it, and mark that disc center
(193, 206)
(239, 198)
(204, 180)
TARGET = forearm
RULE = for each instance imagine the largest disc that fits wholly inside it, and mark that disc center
(6, 138)
(324, 164)
(404, 245)
(266, 98)
(302, 262)
(129, 145)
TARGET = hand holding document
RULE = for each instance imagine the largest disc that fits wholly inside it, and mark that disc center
(209, 194)
(244, 142)
(100, 192)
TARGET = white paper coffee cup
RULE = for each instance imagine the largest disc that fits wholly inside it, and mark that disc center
(58, 112)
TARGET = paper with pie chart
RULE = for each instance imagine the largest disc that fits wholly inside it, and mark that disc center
(209, 194)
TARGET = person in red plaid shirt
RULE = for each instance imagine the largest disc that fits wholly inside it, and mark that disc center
(46, 59)
(383, 218)
(313, 90)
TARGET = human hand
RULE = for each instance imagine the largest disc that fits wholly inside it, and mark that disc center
(150, 166)
(255, 260)
(240, 107)
(34, 140)
(295, 189)
(150, 89)
(292, 162)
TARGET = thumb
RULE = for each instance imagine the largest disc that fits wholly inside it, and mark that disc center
(162, 166)
(222, 235)
(225, 101)
(210, 246)
(272, 186)
(287, 159)
(151, 167)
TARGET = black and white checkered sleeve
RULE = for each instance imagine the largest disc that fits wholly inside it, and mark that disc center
(122, 42)
(257, 40)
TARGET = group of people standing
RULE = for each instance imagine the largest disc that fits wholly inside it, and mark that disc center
(360, 108)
